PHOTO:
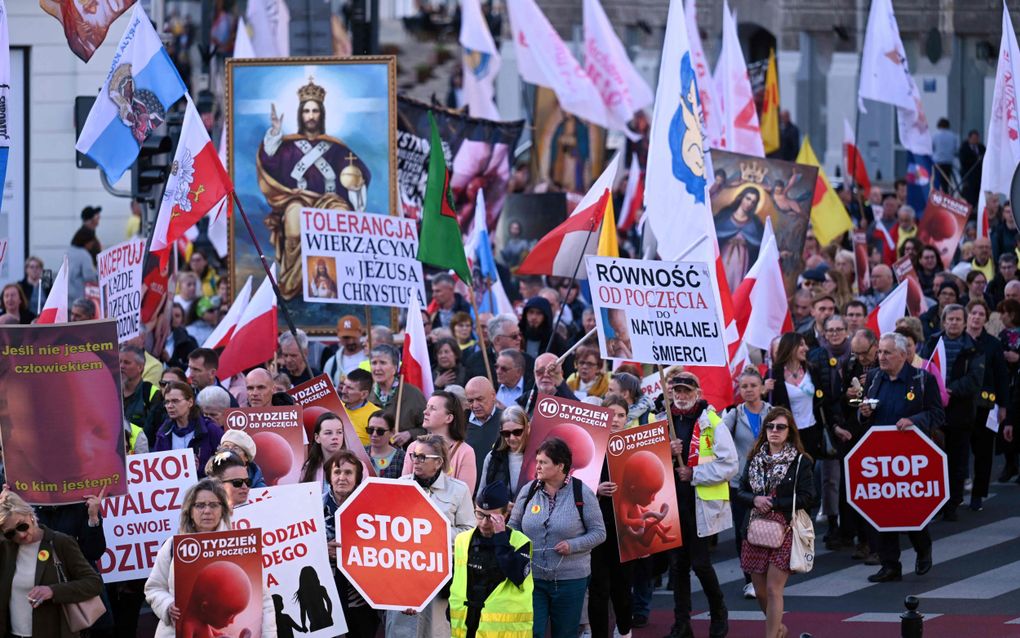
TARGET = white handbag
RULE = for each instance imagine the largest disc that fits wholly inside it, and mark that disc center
(802, 549)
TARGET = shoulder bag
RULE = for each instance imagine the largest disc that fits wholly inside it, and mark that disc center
(80, 615)
(802, 549)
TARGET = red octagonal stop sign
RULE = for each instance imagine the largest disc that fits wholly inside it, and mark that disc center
(394, 544)
(896, 479)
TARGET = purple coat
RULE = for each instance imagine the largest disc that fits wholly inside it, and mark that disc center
(206, 440)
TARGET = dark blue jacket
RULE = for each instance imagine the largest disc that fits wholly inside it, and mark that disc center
(912, 394)
(203, 444)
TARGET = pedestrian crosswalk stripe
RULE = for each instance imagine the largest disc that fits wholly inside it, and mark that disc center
(890, 617)
(989, 584)
(733, 615)
(846, 581)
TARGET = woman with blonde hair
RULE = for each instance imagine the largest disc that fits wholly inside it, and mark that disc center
(778, 471)
(30, 587)
(206, 508)
(505, 460)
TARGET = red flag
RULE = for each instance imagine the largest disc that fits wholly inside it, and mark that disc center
(55, 310)
(762, 312)
(414, 364)
(198, 185)
(254, 339)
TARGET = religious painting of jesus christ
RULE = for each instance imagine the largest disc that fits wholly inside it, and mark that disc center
(306, 133)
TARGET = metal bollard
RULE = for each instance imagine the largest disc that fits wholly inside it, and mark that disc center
(911, 621)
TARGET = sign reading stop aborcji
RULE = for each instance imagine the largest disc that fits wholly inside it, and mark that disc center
(897, 479)
(394, 544)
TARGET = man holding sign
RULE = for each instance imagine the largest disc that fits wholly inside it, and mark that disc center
(898, 394)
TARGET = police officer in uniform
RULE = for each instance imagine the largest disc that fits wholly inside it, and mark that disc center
(491, 594)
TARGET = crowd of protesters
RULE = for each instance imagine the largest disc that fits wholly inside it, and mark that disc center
(522, 563)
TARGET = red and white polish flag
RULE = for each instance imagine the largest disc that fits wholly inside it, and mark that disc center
(253, 341)
(414, 365)
(936, 365)
(225, 329)
(762, 311)
(55, 310)
(883, 318)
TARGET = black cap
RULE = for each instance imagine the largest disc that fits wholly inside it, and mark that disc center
(814, 274)
(688, 379)
(494, 496)
(89, 212)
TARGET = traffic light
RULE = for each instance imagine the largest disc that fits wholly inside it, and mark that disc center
(150, 170)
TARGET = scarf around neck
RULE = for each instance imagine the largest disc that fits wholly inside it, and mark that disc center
(766, 470)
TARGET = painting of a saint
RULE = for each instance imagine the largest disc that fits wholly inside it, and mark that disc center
(307, 133)
(740, 232)
(745, 192)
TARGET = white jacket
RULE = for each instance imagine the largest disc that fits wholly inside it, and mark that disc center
(159, 592)
(715, 516)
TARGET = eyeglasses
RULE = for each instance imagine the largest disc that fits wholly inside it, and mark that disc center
(776, 427)
(420, 458)
(839, 329)
(20, 528)
(209, 506)
(238, 483)
(376, 431)
(587, 364)
(482, 516)
(514, 336)
(506, 434)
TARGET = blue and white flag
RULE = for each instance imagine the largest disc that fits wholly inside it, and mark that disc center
(489, 292)
(142, 85)
(5, 98)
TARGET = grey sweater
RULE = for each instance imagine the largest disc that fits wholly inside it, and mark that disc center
(556, 520)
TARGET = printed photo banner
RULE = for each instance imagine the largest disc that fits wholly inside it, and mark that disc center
(582, 426)
(647, 519)
(942, 224)
(120, 287)
(295, 562)
(218, 583)
(61, 382)
(279, 436)
(862, 266)
(137, 523)
(360, 258)
(318, 396)
(478, 152)
(656, 312)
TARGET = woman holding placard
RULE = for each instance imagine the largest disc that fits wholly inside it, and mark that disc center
(778, 473)
(205, 509)
(345, 474)
(32, 603)
(562, 518)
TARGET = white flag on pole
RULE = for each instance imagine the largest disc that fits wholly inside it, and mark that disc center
(706, 83)
(481, 61)
(1003, 152)
(622, 88)
(885, 77)
(741, 132)
(544, 59)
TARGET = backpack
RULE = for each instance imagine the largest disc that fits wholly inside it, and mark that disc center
(578, 497)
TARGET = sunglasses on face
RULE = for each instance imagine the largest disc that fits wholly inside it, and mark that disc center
(420, 458)
(20, 528)
(776, 427)
(376, 431)
(506, 434)
(238, 483)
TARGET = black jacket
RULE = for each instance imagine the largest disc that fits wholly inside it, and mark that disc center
(913, 394)
(823, 406)
(459, 305)
(563, 391)
(783, 500)
(484, 438)
(964, 381)
(995, 387)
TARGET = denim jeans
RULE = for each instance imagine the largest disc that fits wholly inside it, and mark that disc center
(559, 602)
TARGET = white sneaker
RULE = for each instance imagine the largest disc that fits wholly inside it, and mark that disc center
(585, 631)
(749, 591)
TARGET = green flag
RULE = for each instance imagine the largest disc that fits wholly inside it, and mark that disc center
(441, 244)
